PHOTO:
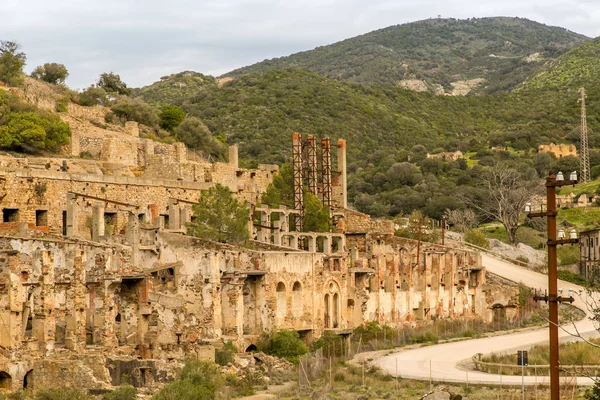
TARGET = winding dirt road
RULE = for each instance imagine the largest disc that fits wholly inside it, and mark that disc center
(442, 360)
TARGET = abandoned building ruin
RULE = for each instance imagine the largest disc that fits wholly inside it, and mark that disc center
(98, 278)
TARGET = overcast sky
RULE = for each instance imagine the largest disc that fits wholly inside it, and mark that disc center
(143, 40)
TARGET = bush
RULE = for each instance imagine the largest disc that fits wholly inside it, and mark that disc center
(426, 337)
(523, 259)
(62, 105)
(225, 355)
(196, 135)
(62, 394)
(572, 277)
(285, 344)
(171, 117)
(184, 390)
(476, 237)
(124, 392)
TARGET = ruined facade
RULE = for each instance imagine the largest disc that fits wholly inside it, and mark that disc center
(98, 279)
(559, 150)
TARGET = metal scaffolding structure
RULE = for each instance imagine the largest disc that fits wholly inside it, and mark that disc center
(584, 155)
(311, 164)
(298, 182)
(326, 171)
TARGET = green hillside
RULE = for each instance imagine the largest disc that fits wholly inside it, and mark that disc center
(175, 88)
(503, 51)
(576, 68)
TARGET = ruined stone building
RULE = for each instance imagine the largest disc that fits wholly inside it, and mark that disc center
(559, 150)
(98, 279)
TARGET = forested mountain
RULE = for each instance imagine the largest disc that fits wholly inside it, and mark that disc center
(391, 129)
(439, 55)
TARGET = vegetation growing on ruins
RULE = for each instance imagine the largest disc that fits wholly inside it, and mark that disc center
(26, 128)
(503, 51)
(285, 344)
(219, 217)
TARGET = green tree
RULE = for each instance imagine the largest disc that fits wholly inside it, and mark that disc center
(93, 96)
(196, 135)
(316, 214)
(220, 217)
(12, 62)
(112, 83)
(280, 191)
(128, 109)
(51, 73)
(171, 117)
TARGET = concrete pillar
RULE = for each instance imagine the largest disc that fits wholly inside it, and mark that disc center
(180, 153)
(312, 243)
(76, 322)
(294, 242)
(174, 214)
(133, 237)
(277, 232)
(98, 228)
(341, 167)
(233, 155)
(265, 220)
(184, 215)
(285, 222)
(72, 221)
(327, 244)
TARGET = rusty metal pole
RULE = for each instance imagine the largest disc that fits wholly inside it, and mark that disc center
(552, 288)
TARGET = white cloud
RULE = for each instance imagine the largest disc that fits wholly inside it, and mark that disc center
(145, 39)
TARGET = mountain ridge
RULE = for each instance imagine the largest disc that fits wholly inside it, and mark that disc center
(436, 55)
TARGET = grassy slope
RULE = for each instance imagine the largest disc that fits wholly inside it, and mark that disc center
(438, 51)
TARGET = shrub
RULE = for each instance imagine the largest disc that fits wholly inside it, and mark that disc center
(523, 259)
(62, 394)
(285, 344)
(572, 277)
(225, 355)
(124, 392)
(476, 237)
(62, 105)
(11, 63)
(171, 117)
(184, 390)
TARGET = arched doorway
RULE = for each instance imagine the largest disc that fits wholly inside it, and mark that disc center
(28, 380)
(5, 380)
(251, 348)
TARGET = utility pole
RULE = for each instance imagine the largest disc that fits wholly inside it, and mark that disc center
(584, 157)
(552, 296)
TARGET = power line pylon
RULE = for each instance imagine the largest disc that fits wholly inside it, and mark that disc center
(585, 152)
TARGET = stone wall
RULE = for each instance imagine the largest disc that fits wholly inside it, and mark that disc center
(559, 150)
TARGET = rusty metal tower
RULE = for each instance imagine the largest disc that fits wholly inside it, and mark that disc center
(298, 184)
(311, 164)
(326, 170)
(585, 152)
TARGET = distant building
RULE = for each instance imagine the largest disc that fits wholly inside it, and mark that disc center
(559, 150)
(589, 252)
(447, 156)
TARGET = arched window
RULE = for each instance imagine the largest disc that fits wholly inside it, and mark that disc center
(336, 310)
(5, 380)
(297, 303)
(281, 301)
(327, 311)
